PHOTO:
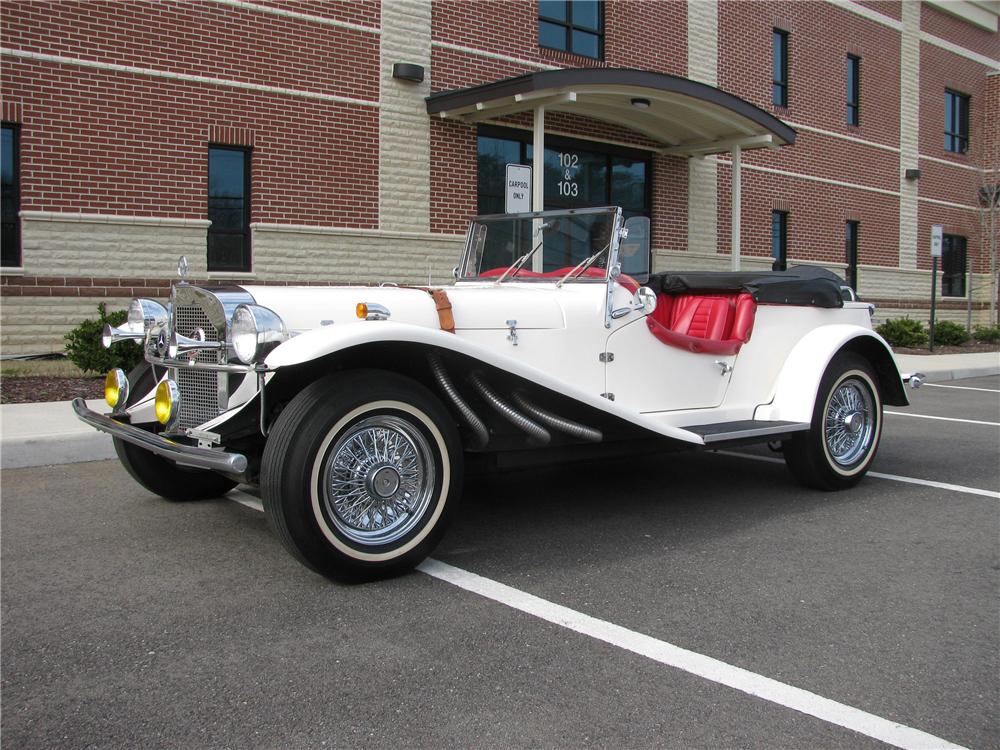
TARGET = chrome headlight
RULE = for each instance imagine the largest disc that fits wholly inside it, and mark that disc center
(143, 314)
(255, 331)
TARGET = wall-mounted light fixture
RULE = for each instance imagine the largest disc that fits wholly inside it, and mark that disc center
(408, 72)
(640, 103)
(912, 174)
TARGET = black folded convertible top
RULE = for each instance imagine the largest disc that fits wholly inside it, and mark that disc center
(799, 285)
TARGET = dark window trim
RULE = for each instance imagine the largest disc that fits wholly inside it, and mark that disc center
(552, 141)
(15, 129)
(949, 281)
(779, 91)
(853, 91)
(852, 241)
(247, 152)
(780, 262)
(568, 26)
(956, 132)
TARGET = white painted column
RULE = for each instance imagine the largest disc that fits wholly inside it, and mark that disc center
(909, 140)
(737, 193)
(538, 162)
(538, 176)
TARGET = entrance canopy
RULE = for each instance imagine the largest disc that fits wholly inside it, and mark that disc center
(683, 117)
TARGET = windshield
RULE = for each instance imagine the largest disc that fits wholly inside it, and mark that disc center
(554, 242)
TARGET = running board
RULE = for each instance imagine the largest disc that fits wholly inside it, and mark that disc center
(747, 429)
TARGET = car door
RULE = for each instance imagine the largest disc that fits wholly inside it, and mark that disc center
(648, 375)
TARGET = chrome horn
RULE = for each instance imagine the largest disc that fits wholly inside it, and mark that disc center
(182, 344)
(113, 335)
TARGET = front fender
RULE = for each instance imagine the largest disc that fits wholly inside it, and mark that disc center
(795, 389)
(328, 340)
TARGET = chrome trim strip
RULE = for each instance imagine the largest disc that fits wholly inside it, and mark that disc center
(755, 433)
(233, 464)
(191, 364)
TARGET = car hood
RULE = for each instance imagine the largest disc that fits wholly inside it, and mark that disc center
(481, 307)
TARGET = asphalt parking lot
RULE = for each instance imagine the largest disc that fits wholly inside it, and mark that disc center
(129, 621)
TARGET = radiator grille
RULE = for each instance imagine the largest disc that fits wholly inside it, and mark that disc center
(200, 397)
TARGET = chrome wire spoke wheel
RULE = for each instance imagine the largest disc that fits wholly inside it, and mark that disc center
(378, 480)
(849, 422)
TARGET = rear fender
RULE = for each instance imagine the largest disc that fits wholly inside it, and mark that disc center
(795, 389)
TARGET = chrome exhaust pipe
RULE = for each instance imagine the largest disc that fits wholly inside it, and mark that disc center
(480, 434)
(537, 435)
(560, 424)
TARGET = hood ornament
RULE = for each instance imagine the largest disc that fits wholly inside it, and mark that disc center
(182, 267)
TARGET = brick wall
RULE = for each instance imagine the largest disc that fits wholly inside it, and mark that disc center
(946, 26)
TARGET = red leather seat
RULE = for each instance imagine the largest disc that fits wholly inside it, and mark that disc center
(707, 323)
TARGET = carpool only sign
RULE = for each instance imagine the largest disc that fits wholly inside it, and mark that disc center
(518, 192)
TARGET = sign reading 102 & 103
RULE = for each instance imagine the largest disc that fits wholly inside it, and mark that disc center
(568, 186)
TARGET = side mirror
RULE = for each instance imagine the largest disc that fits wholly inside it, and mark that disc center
(647, 298)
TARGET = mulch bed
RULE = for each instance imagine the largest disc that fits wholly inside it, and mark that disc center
(30, 389)
(969, 348)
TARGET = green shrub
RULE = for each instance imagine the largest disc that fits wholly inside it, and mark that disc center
(84, 348)
(903, 332)
(947, 333)
(987, 334)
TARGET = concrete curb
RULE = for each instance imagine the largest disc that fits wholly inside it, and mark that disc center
(49, 433)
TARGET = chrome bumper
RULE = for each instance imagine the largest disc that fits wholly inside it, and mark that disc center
(233, 464)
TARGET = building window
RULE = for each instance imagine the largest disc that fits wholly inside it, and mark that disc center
(853, 90)
(11, 199)
(779, 64)
(228, 208)
(578, 174)
(953, 266)
(851, 253)
(956, 122)
(779, 240)
(575, 26)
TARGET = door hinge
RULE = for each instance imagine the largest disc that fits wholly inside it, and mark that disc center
(608, 396)
(606, 357)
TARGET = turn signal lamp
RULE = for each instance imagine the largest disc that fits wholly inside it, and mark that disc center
(116, 388)
(167, 402)
(371, 311)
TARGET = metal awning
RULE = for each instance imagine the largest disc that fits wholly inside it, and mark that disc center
(682, 117)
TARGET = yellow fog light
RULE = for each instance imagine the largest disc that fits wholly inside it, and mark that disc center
(116, 388)
(168, 400)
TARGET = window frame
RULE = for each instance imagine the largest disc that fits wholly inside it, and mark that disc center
(609, 150)
(15, 192)
(247, 266)
(779, 86)
(854, 90)
(956, 141)
(779, 262)
(569, 27)
(852, 242)
(949, 281)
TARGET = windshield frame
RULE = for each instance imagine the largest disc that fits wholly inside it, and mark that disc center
(611, 251)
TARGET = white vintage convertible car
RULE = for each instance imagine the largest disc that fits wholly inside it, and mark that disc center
(354, 408)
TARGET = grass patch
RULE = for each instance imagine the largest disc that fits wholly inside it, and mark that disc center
(35, 368)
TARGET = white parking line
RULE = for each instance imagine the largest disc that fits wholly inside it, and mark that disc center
(960, 387)
(880, 475)
(243, 498)
(782, 694)
(694, 663)
(943, 419)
